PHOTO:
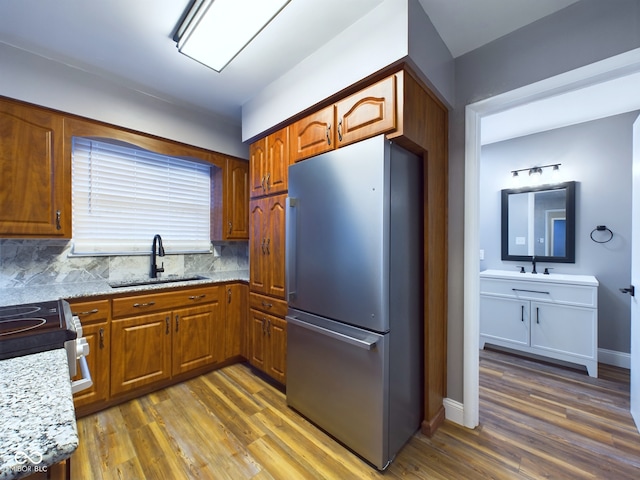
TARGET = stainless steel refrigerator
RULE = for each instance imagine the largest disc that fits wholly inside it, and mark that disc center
(354, 284)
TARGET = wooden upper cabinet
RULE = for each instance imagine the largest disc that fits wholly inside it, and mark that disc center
(312, 135)
(277, 161)
(367, 113)
(230, 199)
(236, 200)
(269, 159)
(257, 167)
(35, 198)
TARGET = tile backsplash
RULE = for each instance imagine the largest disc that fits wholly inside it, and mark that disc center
(44, 262)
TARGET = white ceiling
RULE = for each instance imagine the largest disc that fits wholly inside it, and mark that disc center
(130, 42)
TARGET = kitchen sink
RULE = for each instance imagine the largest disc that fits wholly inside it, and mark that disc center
(156, 281)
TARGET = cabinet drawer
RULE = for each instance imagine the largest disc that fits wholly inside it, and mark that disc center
(153, 302)
(93, 311)
(268, 304)
(566, 294)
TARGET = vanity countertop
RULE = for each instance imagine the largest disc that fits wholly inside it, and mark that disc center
(540, 277)
(42, 293)
(37, 416)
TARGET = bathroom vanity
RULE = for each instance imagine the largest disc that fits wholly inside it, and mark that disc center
(552, 315)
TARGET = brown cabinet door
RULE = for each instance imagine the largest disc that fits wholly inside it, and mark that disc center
(277, 338)
(35, 198)
(367, 113)
(236, 298)
(258, 167)
(268, 344)
(312, 135)
(236, 200)
(98, 361)
(140, 351)
(198, 336)
(277, 164)
(94, 316)
(258, 339)
(275, 245)
(258, 212)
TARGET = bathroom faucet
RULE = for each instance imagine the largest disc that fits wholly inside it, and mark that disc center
(157, 245)
(533, 262)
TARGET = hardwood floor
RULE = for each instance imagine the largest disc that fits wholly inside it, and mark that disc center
(537, 421)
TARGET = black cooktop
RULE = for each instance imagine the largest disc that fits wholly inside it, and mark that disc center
(34, 327)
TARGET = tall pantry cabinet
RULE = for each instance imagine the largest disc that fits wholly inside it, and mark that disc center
(269, 161)
(397, 103)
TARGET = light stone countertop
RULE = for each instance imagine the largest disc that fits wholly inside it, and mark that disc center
(41, 293)
(37, 416)
(541, 277)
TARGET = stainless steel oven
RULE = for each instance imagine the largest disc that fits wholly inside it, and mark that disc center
(37, 327)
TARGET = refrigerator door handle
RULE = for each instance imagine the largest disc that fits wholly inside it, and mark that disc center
(367, 345)
(290, 248)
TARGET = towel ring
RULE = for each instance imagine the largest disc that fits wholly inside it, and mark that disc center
(601, 228)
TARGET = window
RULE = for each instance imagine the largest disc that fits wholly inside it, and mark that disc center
(122, 196)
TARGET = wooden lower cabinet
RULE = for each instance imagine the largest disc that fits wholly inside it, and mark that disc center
(149, 340)
(268, 344)
(235, 319)
(198, 337)
(94, 316)
(155, 347)
(141, 351)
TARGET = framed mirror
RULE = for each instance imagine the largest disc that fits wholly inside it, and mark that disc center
(539, 221)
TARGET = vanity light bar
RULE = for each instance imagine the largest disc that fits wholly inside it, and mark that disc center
(536, 170)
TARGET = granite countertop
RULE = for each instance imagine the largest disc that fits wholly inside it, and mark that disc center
(42, 293)
(37, 416)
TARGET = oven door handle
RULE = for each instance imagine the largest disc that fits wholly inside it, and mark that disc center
(85, 382)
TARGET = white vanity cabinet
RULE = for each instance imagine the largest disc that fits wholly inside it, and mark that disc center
(554, 315)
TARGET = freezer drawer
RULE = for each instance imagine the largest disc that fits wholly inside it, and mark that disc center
(337, 378)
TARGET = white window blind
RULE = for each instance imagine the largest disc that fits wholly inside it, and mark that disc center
(122, 196)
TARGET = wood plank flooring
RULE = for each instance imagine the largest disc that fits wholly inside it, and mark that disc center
(537, 421)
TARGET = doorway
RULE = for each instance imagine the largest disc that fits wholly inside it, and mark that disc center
(596, 76)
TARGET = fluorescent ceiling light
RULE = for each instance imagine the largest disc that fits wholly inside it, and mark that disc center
(215, 31)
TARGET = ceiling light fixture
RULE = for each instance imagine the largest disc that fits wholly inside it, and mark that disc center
(213, 32)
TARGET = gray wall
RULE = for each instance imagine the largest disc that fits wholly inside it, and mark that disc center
(597, 155)
(583, 33)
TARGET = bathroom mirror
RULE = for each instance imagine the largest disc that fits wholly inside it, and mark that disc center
(539, 221)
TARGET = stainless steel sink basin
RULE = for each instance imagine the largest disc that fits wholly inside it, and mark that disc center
(156, 281)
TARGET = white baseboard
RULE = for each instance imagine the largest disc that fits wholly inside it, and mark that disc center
(617, 359)
(454, 410)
